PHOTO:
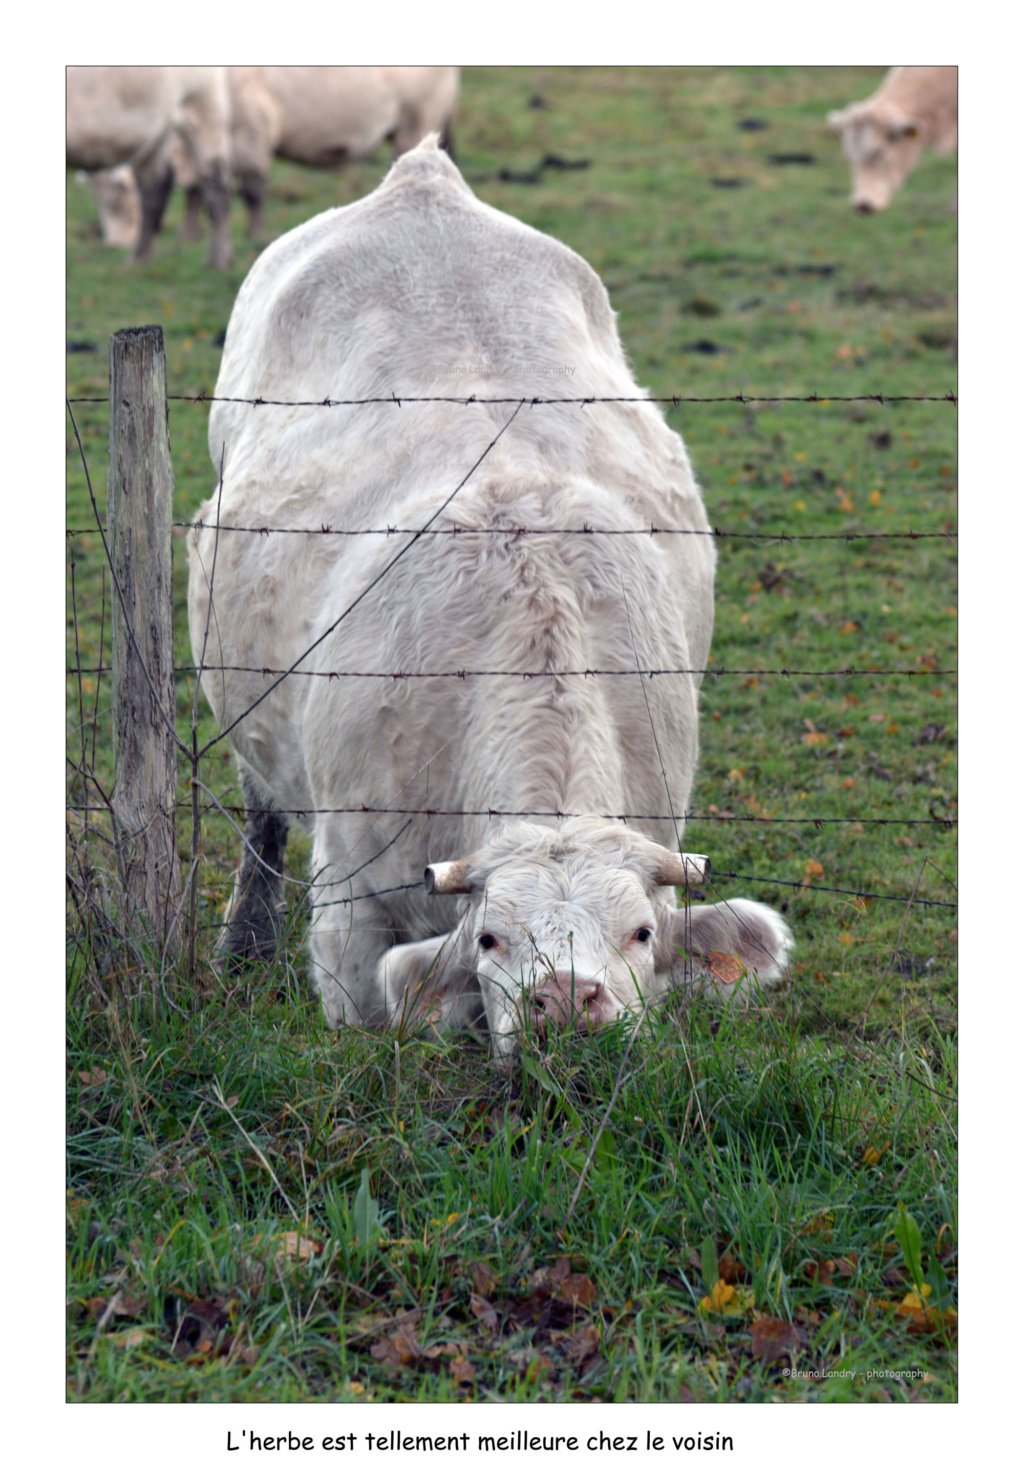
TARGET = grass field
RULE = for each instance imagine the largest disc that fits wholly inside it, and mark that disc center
(259, 1210)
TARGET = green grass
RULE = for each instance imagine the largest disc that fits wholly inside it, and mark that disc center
(751, 1130)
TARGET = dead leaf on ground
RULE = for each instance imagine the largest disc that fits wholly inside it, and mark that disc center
(96, 1076)
(122, 1304)
(295, 1246)
(578, 1290)
(398, 1350)
(923, 1321)
(728, 1300)
(774, 1338)
(582, 1344)
(484, 1311)
(484, 1278)
(133, 1338)
(462, 1370)
(730, 1269)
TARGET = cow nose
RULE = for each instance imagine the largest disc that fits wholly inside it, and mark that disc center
(566, 1001)
(864, 206)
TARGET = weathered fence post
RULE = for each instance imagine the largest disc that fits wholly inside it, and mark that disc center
(140, 488)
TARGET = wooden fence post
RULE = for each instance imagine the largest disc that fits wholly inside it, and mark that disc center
(140, 490)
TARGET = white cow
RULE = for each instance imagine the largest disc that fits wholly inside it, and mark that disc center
(883, 136)
(421, 289)
(324, 116)
(127, 115)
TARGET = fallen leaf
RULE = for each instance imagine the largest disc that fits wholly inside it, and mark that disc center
(877, 718)
(817, 738)
(95, 1077)
(582, 1343)
(578, 1290)
(731, 1270)
(875, 497)
(484, 1311)
(728, 1300)
(484, 1278)
(820, 1271)
(398, 1350)
(774, 1338)
(462, 1370)
(133, 1338)
(850, 627)
(813, 869)
(294, 1246)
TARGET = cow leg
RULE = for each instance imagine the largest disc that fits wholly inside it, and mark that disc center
(155, 180)
(347, 944)
(252, 185)
(216, 193)
(253, 930)
(191, 227)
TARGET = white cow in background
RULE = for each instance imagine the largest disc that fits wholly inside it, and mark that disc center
(127, 115)
(412, 290)
(323, 116)
(883, 136)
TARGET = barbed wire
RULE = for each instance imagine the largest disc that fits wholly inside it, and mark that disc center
(782, 537)
(817, 888)
(817, 821)
(675, 399)
(464, 673)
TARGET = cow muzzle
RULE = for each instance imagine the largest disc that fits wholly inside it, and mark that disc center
(565, 1001)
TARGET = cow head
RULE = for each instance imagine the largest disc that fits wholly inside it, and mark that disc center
(120, 206)
(882, 144)
(572, 927)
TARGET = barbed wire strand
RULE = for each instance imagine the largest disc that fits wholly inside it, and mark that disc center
(524, 673)
(782, 537)
(691, 816)
(675, 399)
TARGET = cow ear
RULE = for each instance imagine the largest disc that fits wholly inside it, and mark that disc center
(424, 981)
(727, 941)
(836, 119)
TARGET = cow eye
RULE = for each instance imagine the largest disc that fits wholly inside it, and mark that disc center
(642, 935)
(487, 941)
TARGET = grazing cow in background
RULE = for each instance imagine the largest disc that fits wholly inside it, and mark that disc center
(883, 136)
(117, 199)
(323, 116)
(127, 114)
(550, 921)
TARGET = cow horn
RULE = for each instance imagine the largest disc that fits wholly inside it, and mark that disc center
(683, 869)
(447, 877)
